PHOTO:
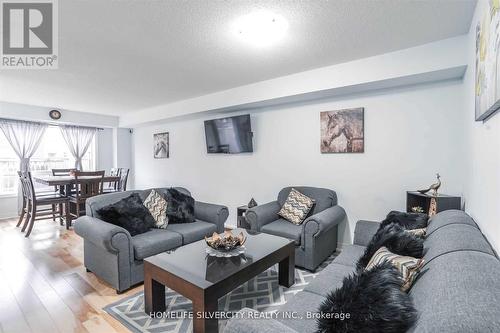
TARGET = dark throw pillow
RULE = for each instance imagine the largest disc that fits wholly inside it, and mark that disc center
(374, 301)
(128, 213)
(180, 208)
(406, 220)
(395, 239)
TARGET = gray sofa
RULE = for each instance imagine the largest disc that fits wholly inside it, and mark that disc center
(316, 238)
(457, 291)
(117, 258)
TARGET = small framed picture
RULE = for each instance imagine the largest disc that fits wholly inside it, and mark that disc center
(161, 145)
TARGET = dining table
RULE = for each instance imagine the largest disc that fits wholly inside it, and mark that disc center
(65, 183)
(70, 180)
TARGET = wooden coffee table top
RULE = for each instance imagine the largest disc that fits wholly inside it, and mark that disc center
(193, 265)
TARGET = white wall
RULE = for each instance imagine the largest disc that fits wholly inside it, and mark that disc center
(105, 149)
(482, 188)
(39, 113)
(410, 134)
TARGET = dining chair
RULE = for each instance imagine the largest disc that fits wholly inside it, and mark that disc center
(34, 205)
(62, 189)
(62, 172)
(112, 186)
(119, 185)
(87, 184)
(122, 184)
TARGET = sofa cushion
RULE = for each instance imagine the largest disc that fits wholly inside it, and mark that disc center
(323, 198)
(408, 267)
(458, 292)
(192, 232)
(180, 208)
(449, 217)
(157, 206)
(128, 213)
(406, 220)
(329, 279)
(144, 194)
(283, 228)
(296, 207)
(155, 241)
(349, 255)
(455, 237)
(371, 301)
(300, 305)
(395, 238)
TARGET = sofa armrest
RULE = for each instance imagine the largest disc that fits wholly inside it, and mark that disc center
(323, 221)
(107, 236)
(259, 216)
(247, 321)
(364, 231)
(216, 214)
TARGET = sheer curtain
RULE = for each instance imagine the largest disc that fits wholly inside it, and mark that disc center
(24, 137)
(78, 140)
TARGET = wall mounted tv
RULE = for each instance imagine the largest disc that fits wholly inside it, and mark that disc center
(232, 135)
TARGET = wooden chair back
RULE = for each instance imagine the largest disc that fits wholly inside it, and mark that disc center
(27, 185)
(114, 172)
(122, 183)
(88, 184)
(62, 172)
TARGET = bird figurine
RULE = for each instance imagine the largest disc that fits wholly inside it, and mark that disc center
(434, 187)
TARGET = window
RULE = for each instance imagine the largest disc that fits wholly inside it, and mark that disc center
(52, 153)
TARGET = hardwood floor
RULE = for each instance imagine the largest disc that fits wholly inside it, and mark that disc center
(44, 287)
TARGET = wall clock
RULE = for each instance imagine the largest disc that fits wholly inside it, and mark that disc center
(55, 114)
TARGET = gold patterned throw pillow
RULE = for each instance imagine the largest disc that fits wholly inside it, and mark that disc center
(421, 232)
(296, 207)
(157, 206)
(408, 267)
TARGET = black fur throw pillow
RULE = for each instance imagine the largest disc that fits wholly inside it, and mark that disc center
(395, 239)
(180, 208)
(374, 301)
(406, 220)
(128, 213)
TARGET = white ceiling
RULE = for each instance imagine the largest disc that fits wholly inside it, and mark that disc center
(122, 56)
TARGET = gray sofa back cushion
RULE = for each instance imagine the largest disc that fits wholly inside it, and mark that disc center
(97, 202)
(452, 238)
(324, 198)
(458, 292)
(449, 217)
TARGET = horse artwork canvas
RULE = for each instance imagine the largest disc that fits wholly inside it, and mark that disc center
(161, 146)
(342, 131)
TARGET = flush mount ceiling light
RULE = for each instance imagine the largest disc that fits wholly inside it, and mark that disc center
(260, 28)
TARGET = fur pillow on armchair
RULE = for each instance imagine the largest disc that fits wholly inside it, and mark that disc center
(374, 301)
(395, 239)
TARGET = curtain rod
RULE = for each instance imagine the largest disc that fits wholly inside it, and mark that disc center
(51, 123)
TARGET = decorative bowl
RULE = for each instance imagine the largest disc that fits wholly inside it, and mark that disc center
(225, 243)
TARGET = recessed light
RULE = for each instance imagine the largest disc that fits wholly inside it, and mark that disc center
(260, 28)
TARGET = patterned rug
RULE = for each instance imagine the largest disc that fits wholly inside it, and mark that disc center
(262, 293)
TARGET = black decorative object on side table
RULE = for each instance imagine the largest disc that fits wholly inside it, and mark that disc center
(241, 219)
(443, 202)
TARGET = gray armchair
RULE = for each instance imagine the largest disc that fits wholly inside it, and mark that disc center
(111, 253)
(316, 238)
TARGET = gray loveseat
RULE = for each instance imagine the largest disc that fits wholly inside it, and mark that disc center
(117, 258)
(458, 290)
(316, 238)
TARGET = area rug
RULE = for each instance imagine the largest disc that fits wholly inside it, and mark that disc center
(262, 293)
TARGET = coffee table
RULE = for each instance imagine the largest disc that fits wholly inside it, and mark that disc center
(203, 279)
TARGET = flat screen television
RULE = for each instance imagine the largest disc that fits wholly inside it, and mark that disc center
(232, 135)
